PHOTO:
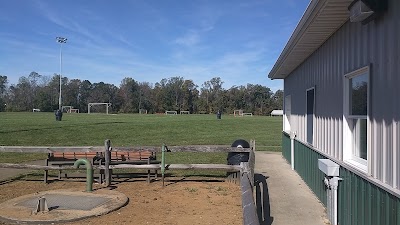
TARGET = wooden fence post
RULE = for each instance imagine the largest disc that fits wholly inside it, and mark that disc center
(107, 156)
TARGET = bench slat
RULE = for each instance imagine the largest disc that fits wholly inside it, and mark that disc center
(124, 155)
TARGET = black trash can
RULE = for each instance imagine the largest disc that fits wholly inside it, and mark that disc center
(235, 158)
(58, 114)
(219, 115)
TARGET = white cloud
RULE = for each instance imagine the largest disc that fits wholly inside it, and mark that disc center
(191, 38)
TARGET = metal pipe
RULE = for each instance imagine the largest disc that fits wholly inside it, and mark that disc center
(292, 137)
(89, 172)
(334, 183)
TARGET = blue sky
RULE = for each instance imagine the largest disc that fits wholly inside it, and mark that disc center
(147, 40)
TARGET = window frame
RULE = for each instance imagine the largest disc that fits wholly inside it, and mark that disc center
(348, 141)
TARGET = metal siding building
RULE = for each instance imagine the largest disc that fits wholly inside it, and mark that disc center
(324, 48)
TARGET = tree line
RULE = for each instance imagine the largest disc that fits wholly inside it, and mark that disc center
(173, 94)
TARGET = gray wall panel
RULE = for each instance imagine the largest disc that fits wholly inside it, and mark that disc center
(352, 47)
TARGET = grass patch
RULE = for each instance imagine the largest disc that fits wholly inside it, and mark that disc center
(11, 157)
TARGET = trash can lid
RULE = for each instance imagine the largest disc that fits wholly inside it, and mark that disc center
(240, 143)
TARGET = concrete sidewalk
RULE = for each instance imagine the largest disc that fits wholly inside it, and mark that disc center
(287, 199)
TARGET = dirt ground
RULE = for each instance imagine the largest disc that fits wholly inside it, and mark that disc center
(182, 201)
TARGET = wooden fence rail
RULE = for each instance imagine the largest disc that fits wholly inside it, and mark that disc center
(223, 167)
(190, 148)
(249, 210)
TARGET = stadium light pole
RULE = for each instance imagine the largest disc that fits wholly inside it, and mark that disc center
(60, 40)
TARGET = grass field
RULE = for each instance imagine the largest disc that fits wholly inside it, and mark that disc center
(41, 129)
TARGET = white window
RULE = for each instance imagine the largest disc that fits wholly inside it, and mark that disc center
(288, 112)
(355, 118)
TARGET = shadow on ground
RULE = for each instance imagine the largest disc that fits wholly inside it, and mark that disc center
(262, 200)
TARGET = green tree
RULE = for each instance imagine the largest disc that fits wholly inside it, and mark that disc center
(85, 90)
(189, 96)
(128, 94)
(146, 99)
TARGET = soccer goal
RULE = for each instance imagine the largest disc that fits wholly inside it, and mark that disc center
(90, 105)
(238, 112)
(74, 110)
(247, 114)
(66, 108)
(142, 111)
(185, 112)
(171, 113)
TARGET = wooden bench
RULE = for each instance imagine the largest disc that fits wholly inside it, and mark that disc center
(136, 158)
(68, 159)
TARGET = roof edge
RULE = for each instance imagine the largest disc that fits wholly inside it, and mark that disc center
(313, 8)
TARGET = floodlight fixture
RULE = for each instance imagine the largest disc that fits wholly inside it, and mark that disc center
(60, 40)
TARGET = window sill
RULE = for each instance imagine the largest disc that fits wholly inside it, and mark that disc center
(357, 165)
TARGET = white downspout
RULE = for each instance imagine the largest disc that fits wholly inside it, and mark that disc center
(292, 137)
(334, 183)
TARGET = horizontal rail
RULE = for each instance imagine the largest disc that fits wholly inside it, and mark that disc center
(37, 167)
(42, 149)
(207, 148)
(229, 168)
(190, 148)
(250, 216)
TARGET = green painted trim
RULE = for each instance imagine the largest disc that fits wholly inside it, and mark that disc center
(286, 147)
(360, 202)
(306, 165)
(363, 203)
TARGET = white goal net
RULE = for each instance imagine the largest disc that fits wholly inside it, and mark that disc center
(98, 108)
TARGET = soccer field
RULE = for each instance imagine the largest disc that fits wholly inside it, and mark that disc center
(41, 129)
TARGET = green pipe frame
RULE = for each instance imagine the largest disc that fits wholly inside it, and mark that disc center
(89, 172)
